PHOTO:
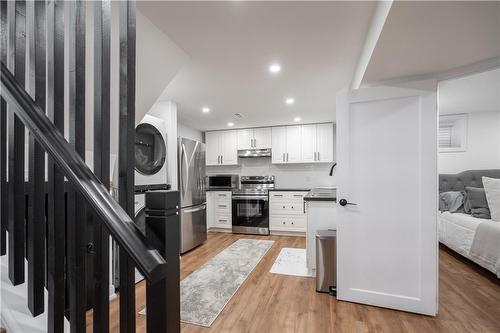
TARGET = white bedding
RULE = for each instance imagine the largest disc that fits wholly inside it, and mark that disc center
(457, 231)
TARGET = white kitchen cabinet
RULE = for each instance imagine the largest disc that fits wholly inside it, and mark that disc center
(278, 136)
(286, 144)
(293, 144)
(254, 138)
(302, 144)
(245, 139)
(321, 215)
(262, 138)
(324, 142)
(229, 148)
(219, 209)
(309, 143)
(286, 211)
(221, 148)
(212, 146)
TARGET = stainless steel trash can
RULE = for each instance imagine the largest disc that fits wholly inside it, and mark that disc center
(326, 261)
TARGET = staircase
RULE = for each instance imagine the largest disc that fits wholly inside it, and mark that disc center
(55, 231)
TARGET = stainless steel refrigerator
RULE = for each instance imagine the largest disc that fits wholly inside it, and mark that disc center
(192, 190)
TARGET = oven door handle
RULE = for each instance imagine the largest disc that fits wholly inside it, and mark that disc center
(237, 197)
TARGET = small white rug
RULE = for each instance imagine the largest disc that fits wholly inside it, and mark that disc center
(291, 261)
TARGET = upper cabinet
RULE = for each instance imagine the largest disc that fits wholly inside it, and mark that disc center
(254, 138)
(221, 148)
(303, 144)
(290, 144)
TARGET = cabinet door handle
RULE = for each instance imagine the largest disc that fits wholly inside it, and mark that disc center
(221, 159)
(287, 157)
(292, 222)
(278, 195)
(283, 222)
(314, 156)
(318, 155)
(283, 157)
(218, 159)
(283, 206)
(292, 207)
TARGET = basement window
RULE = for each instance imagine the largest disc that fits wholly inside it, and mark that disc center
(452, 135)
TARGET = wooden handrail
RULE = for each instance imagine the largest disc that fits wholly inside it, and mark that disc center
(147, 259)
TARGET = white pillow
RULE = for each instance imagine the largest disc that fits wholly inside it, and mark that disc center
(492, 191)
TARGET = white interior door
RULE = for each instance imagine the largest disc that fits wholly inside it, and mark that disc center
(387, 166)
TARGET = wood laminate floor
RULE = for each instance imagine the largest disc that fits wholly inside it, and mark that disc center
(469, 300)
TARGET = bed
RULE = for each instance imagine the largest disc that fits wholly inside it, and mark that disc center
(459, 230)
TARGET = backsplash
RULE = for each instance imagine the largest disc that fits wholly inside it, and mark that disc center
(287, 175)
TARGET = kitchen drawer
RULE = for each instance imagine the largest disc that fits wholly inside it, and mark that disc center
(224, 206)
(223, 221)
(286, 223)
(286, 208)
(223, 195)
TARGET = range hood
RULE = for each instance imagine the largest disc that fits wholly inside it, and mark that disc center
(254, 153)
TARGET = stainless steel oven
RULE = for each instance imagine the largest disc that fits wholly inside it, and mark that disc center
(251, 214)
(250, 205)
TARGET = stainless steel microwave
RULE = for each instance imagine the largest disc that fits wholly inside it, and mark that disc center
(223, 182)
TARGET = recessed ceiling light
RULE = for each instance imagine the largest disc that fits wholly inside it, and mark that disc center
(274, 68)
(296, 119)
(230, 124)
(289, 101)
(205, 110)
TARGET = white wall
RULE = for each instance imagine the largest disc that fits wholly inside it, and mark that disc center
(190, 133)
(287, 176)
(483, 145)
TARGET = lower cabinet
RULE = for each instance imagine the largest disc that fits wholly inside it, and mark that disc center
(286, 211)
(219, 209)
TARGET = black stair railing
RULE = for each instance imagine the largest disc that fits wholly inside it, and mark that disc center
(47, 220)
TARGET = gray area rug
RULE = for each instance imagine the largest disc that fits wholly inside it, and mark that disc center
(206, 291)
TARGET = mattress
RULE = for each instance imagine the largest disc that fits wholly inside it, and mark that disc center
(457, 231)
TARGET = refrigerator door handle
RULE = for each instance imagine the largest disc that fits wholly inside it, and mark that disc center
(192, 210)
(186, 183)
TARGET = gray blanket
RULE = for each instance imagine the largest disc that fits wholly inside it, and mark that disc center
(486, 244)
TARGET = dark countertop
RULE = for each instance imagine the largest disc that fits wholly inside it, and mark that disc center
(220, 189)
(279, 189)
(321, 194)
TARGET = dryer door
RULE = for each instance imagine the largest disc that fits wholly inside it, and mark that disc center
(150, 150)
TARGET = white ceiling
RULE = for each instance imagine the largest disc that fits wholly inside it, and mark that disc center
(230, 46)
(435, 36)
(474, 93)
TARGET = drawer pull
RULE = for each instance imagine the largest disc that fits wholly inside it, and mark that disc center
(222, 220)
(283, 206)
(292, 207)
(222, 205)
(292, 222)
(283, 222)
(278, 195)
(298, 195)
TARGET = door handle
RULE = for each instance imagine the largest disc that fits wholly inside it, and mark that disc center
(343, 202)
(318, 155)
(218, 159)
(221, 159)
(283, 157)
(287, 157)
